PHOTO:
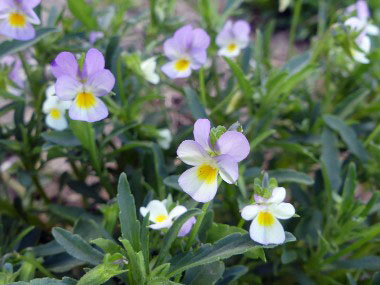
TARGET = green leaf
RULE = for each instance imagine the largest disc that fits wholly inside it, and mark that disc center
(172, 181)
(172, 234)
(77, 247)
(130, 226)
(136, 263)
(48, 281)
(348, 135)
(231, 274)
(83, 12)
(101, 273)
(14, 46)
(349, 188)
(330, 157)
(229, 246)
(219, 231)
(364, 263)
(291, 176)
(195, 104)
(244, 84)
(204, 274)
(62, 138)
(107, 245)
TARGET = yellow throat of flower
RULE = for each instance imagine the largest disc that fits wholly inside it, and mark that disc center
(85, 100)
(182, 65)
(265, 219)
(17, 20)
(161, 218)
(207, 173)
(231, 47)
(55, 113)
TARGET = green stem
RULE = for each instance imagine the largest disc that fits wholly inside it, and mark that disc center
(202, 86)
(39, 188)
(36, 264)
(293, 27)
(119, 75)
(372, 136)
(196, 227)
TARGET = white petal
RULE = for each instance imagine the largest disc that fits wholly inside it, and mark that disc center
(50, 91)
(50, 103)
(282, 211)
(164, 225)
(177, 211)
(191, 152)
(199, 190)
(250, 212)
(59, 124)
(224, 51)
(273, 234)
(372, 30)
(278, 195)
(155, 209)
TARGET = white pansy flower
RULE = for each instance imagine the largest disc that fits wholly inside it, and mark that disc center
(165, 138)
(148, 68)
(55, 110)
(284, 4)
(265, 227)
(162, 219)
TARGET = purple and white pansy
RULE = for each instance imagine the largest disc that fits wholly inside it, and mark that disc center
(83, 85)
(209, 161)
(233, 38)
(162, 219)
(17, 18)
(186, 50)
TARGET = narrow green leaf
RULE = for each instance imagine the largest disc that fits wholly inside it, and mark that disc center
(15, 46)
(244, 83)
(83, 12)
(136, 263)
(291, 176)
(195, 104)
(204, 274)
(130, 226)
(77, 247)
(348, 135)
(349, 188)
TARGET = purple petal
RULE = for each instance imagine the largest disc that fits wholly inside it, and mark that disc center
(228, 168)
(101, 82)
(172, 73)
(17, 74)
(94, 114)
(6, 6)
(65, 64)
(198, 58)
(186, 227)
(183, 38)
(225, 36)
(31, 15)
(362, 10)
(201, 39)
(241, 32)
(202, 133)
(234, 144)
(171, 49)
(31, 3)
(22, 34)
(93, 62)
(67, 87)
(191, 152)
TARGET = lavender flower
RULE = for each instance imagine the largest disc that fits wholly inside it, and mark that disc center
(233, 38)
(186, 50)
(17, 18)
(83, 85)
(208, 161)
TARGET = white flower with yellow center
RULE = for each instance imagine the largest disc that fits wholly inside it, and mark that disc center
(55, 110)
(265, 227)
(162, 219)
(148, 68)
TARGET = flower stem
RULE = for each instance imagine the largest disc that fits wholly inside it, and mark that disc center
(202, 86)
(196, 227)
(293, 27)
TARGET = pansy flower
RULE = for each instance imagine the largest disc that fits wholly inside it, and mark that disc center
(55, 110)
(83, 85)
(148, 68)
(360, 24)
(17, 18)
(16, 74)
(162, 219)
(233, 38)
(209, 161)
(265, 227)
(186, 50)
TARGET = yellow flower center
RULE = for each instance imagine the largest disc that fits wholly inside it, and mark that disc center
(161, 218)
(207, 173)
(182, 64)
(85, 100)
(55, 113)
(17, 20)
(265, 219)
(231, 47)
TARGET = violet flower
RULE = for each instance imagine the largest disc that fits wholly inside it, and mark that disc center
(186, 50)
(17, 18)
(83, 85)
(233, 38)
(208, 161)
